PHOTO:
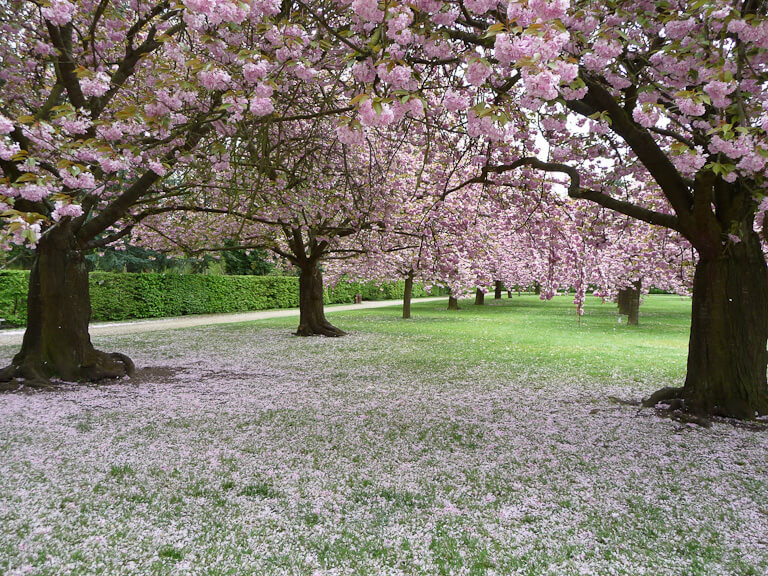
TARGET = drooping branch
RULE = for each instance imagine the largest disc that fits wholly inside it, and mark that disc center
(645, 148)
(576, 191)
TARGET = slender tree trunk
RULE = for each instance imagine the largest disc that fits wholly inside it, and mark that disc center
(479, 297)
(622, 301)
(498, 288)
(628, 300)
(407, 295)
(509, 293)
(56, 341)
(312, 321)
(453, 303)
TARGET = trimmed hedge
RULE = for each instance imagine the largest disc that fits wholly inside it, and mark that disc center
(126, 296)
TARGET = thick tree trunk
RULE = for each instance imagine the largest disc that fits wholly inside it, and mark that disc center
(56, 342)
(729, 329)
(312, 321)
(479, 297)
(628, 301)
(498, 288)
(407, 295)
(453, 303)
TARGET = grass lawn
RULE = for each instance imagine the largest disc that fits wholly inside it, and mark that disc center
(474, 442)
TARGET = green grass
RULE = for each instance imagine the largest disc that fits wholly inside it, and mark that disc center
(525, 333)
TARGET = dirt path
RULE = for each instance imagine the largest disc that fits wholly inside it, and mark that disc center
(14, 337)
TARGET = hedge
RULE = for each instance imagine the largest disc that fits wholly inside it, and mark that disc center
(125, 296)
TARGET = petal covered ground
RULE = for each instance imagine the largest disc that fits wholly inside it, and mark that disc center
(244, 450)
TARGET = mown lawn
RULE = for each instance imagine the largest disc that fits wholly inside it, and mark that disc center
(483, 441)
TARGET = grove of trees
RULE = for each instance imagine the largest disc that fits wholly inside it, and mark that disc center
(601, 147)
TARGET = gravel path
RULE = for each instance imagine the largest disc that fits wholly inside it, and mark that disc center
(13, 337)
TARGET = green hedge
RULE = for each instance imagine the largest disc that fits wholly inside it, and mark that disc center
(125, 296)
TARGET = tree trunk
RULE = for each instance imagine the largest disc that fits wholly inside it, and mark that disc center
(536, 288)
(726, 372)
(479, 297)
(628, 301)
(312, 321)
(622, 301)
(407, 295)
(509, 293)
(56, 341)
(498, 288)
(453, 303)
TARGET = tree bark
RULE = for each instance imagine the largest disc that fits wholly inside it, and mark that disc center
(509, 293)
(407, 295)
(726, 372)
(479, 297)
(453, 303)
(312, 321)
(498, 288)
(628, 300)
(56, 341)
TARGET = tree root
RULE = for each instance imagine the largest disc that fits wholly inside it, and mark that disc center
(663, 395)
(129, 366)
(320, 329)
(31, 372)
(671, 403)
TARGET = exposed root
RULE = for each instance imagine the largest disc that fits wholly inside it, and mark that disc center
(673, 403)
(669, 402)
(32, 373)
(663, 395)
(8, 373)
(617, 400)
(129, 366)
(321, 329)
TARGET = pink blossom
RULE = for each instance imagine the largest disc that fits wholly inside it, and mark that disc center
(364, 72)
(549, 9)
(691, 162)
(214, 79)
(504, 50)
(718, 92)
(369, 116)
(542, 85)
(349, 136)
(646, 115)
(33, 192)
(96, 85)
(368, 10)
(480, 6)
(690, 108)
(263, 91)
(254, 71)
(455, 101)
(752, 163)
(477, 73)
(157, 168)
(60, 12)
(261, 106)
(6, 126)
(63, 210)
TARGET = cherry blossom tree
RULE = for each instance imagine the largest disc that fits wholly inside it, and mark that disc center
(669, 94)
(99, 103)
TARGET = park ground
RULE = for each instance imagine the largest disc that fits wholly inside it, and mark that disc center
(493, 440)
